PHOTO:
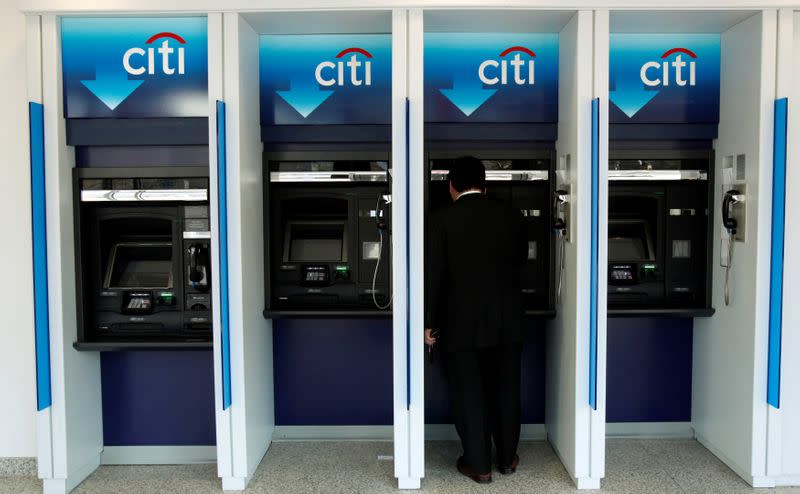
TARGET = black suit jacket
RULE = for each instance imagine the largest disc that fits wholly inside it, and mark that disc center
(476, 250)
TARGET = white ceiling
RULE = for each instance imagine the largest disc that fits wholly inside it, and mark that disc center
(321, 22)
(657, 21)
(497, 21)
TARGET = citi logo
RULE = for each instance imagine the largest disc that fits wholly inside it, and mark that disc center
(137, 60)
(330, 73)
(523, 69)
(658, 73)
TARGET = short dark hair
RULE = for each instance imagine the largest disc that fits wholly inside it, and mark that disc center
(467, 173)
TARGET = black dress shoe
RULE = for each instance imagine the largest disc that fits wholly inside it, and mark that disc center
(481, 478)
(509, 469)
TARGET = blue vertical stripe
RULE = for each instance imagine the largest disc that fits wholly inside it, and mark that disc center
(408, 260)
(41, 310)
(594, 254)
(222, 187)
(776, 258)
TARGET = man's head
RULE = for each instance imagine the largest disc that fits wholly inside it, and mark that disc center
(466, 174)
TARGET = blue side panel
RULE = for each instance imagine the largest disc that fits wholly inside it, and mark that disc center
(437, 404)
(408, 260)
(153, 398)
(649, 370)
(594, 253)
(333, 372)
(39, 230)
(776, 261)
(222, 186)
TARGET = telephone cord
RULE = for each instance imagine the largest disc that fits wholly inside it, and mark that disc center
(561, 248)
(378, 262)
(728, 267)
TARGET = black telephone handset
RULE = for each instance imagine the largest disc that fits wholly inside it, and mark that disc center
(559, 198)
(198, 265)
(728, 221)
(730, 198)
(195, 275)
(380, 220)
(381, 216)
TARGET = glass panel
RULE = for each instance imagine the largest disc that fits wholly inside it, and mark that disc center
(628, 240)
(497, 164)
(144, 183)
(665, 164)
(140, 265)
(314, 243)
(329, 166)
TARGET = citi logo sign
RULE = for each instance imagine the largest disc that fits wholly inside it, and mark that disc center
(330, 73)
(137, 61)
(493, 72)
(658, 73)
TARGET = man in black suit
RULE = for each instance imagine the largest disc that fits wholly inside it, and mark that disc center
(476, 250)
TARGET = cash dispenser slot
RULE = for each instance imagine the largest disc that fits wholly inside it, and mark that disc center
(329, 237)
(143, 243)
(523, 179)
(659, 223)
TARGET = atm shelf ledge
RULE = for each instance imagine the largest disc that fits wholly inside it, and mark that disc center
(108, 346)
(704, 312)
(541, 314)
(327, 314)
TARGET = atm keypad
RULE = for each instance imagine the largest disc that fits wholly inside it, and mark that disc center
(316, 275)
(622, 275)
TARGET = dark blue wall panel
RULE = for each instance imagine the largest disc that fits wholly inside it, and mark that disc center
(333, 372)
(649, 370)
(339, 372)
(158, 398)
(533, 382)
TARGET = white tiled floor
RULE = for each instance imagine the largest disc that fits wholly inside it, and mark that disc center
(633, 466)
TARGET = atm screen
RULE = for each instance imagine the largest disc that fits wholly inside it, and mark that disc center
(140, 265)
(315, 242)
(629, 240)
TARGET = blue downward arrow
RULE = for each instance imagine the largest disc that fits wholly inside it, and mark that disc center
(304, 95)
(630, 96)
(467, 93)
(111, 86)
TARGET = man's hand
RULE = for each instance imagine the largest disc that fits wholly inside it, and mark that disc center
(430, 338)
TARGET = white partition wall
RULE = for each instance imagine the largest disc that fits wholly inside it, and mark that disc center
(597, 451)
(729, 407)
(789, 86)
(407, 320)
(70, 431)
(783, 450)
(244, 429)
(568, 411)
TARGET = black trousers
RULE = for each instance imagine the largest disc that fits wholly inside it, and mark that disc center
(485, 403)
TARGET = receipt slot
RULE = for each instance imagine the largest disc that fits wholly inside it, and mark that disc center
(522, 179)
(659, 232)
(328, 227)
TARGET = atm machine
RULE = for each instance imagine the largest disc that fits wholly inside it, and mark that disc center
(143, 242)
(660, 217)
(328, 226)
(525, 179)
